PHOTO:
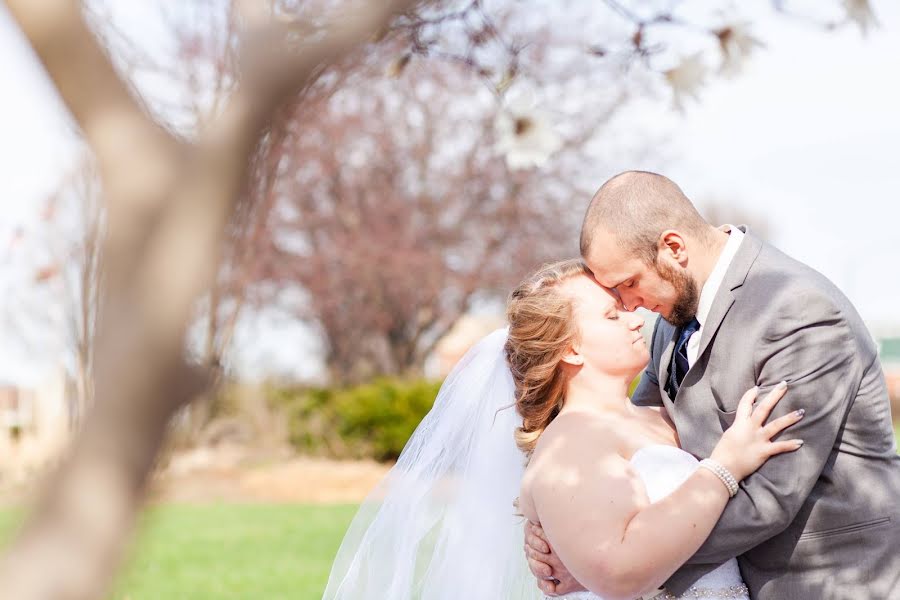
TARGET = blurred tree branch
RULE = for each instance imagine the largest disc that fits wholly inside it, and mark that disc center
(167, 203)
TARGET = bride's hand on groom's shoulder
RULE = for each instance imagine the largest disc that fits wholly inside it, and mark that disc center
(552, 576)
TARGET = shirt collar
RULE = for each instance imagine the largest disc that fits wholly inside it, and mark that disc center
(714, 282)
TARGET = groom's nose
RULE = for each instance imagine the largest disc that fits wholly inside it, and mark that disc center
(631, 303)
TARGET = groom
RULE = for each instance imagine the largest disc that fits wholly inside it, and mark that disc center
(822, 523)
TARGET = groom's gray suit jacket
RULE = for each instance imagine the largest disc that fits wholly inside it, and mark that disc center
(822, 522)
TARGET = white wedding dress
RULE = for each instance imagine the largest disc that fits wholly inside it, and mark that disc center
(662, 469)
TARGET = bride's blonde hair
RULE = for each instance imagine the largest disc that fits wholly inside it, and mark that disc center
(541, 330)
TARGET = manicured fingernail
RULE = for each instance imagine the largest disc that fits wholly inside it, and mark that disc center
(801, 412)
(781, 385)
(799, 443)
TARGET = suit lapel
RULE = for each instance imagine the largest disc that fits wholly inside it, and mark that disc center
(734, 279)
(722, 303)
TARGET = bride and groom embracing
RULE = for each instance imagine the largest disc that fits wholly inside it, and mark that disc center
(694, 487)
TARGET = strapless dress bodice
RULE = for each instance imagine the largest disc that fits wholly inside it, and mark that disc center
(662, 469)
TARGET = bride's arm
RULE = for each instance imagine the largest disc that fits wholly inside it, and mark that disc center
(612, 539)
(596, 514)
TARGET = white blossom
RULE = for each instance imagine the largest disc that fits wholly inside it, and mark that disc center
(525, 135)
(736, 43)
(860, 12)
(686, 79)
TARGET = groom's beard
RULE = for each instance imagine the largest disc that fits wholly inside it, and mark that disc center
(687, 297)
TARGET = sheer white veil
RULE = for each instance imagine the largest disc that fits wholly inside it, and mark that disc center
(442, 524)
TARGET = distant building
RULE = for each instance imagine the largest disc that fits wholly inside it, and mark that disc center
(34, 425)
(462, 336)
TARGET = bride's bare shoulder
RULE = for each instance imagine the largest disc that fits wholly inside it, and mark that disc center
(573, 444)
(573, 431)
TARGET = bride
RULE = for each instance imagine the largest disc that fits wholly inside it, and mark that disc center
(535, 422)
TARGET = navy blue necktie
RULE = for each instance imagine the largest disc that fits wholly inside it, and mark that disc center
(679, 367)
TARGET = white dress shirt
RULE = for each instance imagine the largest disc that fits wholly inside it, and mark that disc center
(711, 288)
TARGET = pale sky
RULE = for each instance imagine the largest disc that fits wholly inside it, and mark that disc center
(806, 135)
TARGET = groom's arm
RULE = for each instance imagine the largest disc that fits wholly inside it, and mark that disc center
(822, 361)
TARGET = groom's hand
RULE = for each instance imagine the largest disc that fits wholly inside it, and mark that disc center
(553, 577)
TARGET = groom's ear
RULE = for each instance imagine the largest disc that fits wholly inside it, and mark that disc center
(573, 357)
(672, 245)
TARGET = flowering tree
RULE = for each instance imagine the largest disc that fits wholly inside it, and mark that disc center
(404, 204)
(467, 163)
(55, 272)
(74, 272)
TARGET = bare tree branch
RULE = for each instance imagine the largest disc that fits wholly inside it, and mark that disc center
(167, 205)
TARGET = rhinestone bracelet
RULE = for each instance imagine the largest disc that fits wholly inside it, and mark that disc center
(723, 474)
(735, 591)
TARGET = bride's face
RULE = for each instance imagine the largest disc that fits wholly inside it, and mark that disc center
(611, 340)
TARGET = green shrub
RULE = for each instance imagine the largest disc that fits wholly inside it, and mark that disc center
(634, 385)
(374, 420)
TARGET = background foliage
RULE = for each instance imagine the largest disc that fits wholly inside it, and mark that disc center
(373, 420)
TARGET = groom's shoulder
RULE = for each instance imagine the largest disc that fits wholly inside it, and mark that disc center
(662, 333)
(662, 330)
(782, 281)
(771, 257)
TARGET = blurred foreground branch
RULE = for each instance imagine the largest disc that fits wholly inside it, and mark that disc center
(167, 204)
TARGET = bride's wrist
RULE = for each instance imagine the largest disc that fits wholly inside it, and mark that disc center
(730, 462)
(723, 474)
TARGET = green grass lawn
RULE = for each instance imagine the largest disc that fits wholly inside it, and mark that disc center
(230, 552)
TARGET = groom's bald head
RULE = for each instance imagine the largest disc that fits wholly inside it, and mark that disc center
(636, 207)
